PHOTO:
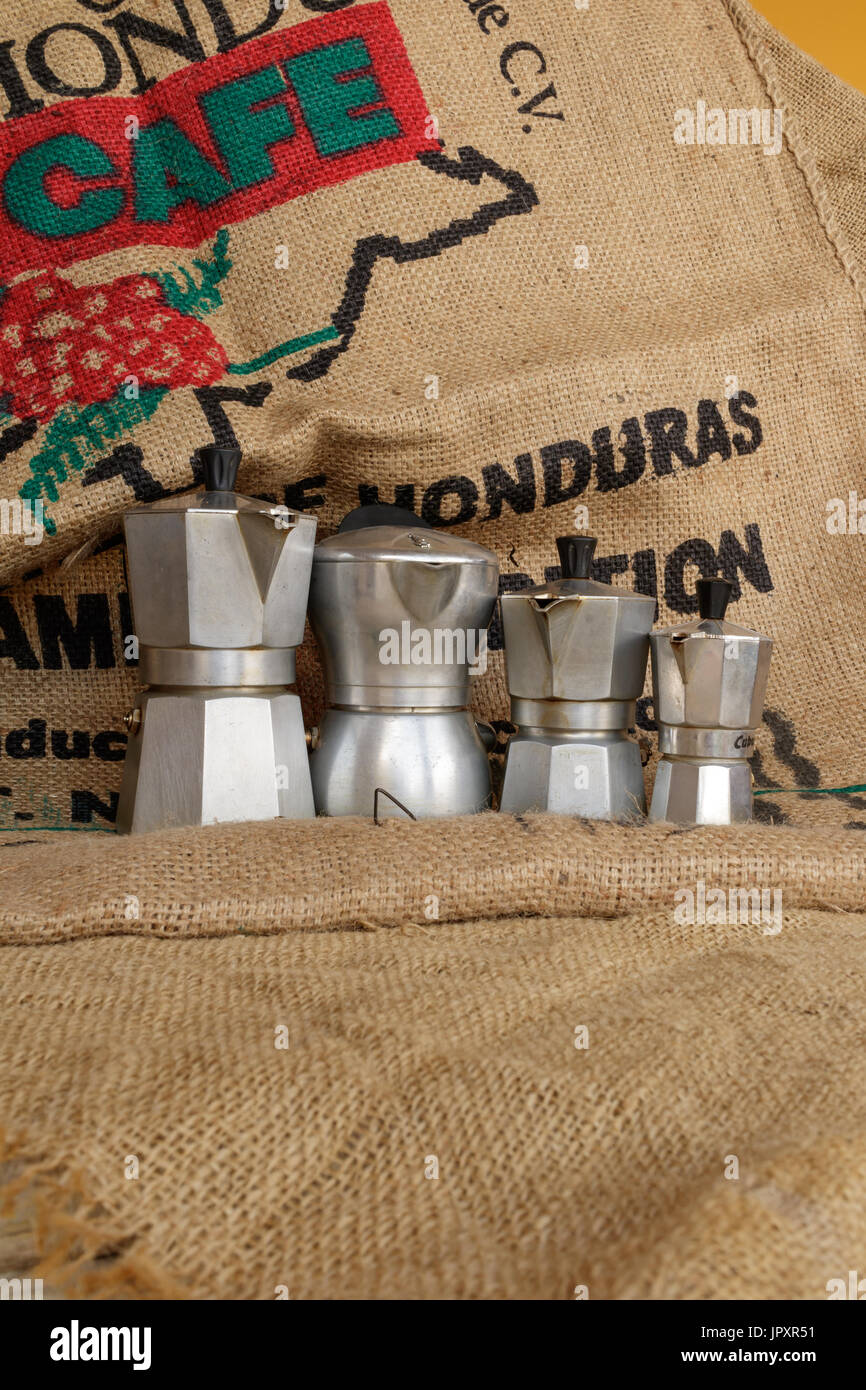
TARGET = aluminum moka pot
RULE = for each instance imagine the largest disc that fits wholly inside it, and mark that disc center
(219, 589)
(400, 612)
(709, 680)
(576, 652)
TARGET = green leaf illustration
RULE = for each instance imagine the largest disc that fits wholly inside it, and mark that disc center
(79, 436)
(197, 297)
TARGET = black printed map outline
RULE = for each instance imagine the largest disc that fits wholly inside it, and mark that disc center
(470, 166)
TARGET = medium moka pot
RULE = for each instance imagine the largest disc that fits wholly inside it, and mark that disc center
(576, 652)
(400, 612)
(709, 680)
(219, 591)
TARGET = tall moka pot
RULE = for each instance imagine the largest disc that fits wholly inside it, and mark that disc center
(219, 587)
(400, 612)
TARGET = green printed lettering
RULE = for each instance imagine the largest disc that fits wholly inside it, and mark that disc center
(330, 102)
(169, 170)
(31, 206)
(244, 136)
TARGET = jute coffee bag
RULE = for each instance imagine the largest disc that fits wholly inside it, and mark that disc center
(521, 266)
(493, 261)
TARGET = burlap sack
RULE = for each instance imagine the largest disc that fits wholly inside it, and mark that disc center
(503, 293)
(554, 1085)
(556, 307)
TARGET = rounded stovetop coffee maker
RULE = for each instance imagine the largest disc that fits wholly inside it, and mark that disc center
(400, 612)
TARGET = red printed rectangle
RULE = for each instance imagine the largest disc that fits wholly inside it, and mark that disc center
(215, 143)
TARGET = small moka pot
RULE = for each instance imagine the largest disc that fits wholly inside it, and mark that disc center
(400, 613)
(576, 652)
(709, 680)
(219, 591)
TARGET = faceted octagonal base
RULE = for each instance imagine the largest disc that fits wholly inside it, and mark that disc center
(690, 792)
(201, 758)
(597, 776)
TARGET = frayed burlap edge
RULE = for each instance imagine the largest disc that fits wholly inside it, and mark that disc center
(79, 1245)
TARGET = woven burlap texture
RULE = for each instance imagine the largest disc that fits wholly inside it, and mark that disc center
(340, 874)
(420, 1044)
(410, 1045)
(710, 270)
